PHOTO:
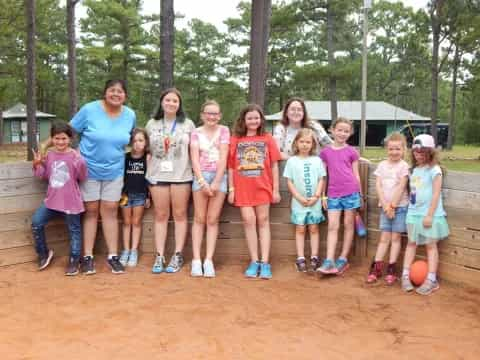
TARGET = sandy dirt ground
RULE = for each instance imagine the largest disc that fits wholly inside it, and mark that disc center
(138, 315)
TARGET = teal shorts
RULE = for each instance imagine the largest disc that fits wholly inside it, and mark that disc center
(306, 218)
(421, 235)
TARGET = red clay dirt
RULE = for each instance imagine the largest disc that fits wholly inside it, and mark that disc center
(138, 315)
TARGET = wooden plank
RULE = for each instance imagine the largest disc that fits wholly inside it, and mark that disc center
(448, 251)
(16, 238)
(16, 170)
(19, 187)
(13, 204)
(23, 254)
(459, 180)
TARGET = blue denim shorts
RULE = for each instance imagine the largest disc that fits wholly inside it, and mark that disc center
(209, 176)
(135, 199)
(347, 202)
(397, 224)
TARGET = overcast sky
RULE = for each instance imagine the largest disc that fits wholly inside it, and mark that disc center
(216, 11)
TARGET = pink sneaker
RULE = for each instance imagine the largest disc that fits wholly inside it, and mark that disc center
(376, 270)
(391, 276)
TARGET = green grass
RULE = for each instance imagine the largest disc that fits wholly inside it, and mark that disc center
(461, 158)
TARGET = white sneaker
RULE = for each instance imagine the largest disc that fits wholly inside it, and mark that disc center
(196, 268)
(124, 257)
(208, 268)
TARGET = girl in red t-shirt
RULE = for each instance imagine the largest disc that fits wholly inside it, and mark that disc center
(253, 183)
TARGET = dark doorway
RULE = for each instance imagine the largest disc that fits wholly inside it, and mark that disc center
(375, 134)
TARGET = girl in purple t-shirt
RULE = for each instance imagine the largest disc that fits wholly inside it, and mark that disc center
(63, 167)
(344, 194)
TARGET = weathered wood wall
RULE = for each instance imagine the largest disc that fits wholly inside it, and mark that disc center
(460, 253)
(21, 194)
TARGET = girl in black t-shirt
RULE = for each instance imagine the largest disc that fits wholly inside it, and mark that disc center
(135, 195)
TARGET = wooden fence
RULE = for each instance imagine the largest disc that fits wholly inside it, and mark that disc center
(21, 194)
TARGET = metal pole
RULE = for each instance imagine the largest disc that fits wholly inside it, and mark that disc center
(363, 122)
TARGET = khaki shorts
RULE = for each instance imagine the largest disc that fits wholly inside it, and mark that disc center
(108, 190)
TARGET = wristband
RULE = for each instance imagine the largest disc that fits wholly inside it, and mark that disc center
(231, 189)
(324, 197)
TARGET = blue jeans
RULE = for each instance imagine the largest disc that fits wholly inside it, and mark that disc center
(42, 216)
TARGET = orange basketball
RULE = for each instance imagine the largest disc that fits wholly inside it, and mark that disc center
(418, 272)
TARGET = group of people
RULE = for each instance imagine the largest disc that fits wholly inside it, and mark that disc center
(171, 159)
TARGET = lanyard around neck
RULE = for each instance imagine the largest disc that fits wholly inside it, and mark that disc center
(172, 129)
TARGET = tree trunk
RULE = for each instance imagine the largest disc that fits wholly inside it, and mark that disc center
(259, 33)
(453, 105)
(435, 13)
(31, 79)
(332, 81)
(1, 126)
(72, 59)
(167, 43)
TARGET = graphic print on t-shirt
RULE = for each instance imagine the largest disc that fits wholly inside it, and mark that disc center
(251, 156)
(60, 174)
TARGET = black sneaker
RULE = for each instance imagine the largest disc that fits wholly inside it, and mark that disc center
(88, 266)
(314, 263)
(44, 261)
(116, 265)
(301, 265)
(72, 266)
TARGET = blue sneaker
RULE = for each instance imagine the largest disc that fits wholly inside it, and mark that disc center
(159, 265)
(328, 267)
(252, 270)
(342, 265)
(265, 271)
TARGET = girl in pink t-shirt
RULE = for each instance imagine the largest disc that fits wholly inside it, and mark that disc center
(63, 167)
(391, 185)
(208, 151)
(344, 194)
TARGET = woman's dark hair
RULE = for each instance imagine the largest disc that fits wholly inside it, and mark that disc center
(112, 82)
(159, 114)
(145, 135)
(305, 120)
(61, 127)
(240, 128)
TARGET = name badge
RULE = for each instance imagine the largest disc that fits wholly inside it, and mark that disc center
(166, 166)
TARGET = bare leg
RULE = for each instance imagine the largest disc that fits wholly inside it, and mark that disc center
(348, 232)
(385, 238)
(90, 225)
(161, 205)
(332, 236)
(300, 240)
(314, 239)
(200, 202)
(410, 252)
(215, 206)
(432, 256)
(137, 226)
(109, 214)
(263, 222)
(395, 247)
(126, 227)
(180, 195)
(250, 226)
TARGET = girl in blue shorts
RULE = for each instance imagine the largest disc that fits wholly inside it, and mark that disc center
(391, 185)
(305, 173)
(135, 196)
(344, 194)
(426, 217)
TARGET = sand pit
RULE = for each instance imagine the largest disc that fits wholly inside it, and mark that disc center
(138, 315)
